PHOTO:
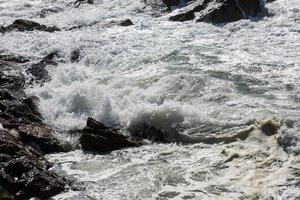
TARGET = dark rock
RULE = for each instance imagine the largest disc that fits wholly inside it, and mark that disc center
(40, 138)
(4, 95)
(31, 102)
(218, 11)
(27, 25)
(126, 22)
(75, 55)
(25, 175)
(97, 137)
(14, 83)
(23, 116)
(14, 58)
(77, 3)
(171, 3)
(148, 132)
(39, 71)
(230, 10)
(269, 127)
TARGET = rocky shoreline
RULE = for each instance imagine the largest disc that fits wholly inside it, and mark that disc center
(25, 138)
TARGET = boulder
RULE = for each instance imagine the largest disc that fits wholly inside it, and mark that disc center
(27, 25)
(97, 137)
(218, 11)
(23, 116)
(24, 172)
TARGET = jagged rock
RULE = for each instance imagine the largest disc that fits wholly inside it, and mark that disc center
(97, 137)
(24, 172)
(218, 11)
(126, 22)
(27, 25)
(40, 138)
(39, 71)
(23, 116)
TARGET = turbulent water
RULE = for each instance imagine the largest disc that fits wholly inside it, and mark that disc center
(188, 79)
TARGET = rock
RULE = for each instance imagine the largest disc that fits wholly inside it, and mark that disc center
(188, 13)
(27, 25)
(23, 116)
(77, 3)
(97, 137)
(25, 174)
(39, 71)
(14, 83)
(148, 132)
(218, 11)
(75, 55)
(40, 138)
(14, 58)
(269, 127)
(156, 8)
(126, 22)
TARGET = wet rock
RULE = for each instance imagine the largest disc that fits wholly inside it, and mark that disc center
(39, 71)
(229, 11)
(27, 25)
(40, 138)
(25, 175)
(97, 137)
(14, 58)
(75, 55)
(188, 13)
(218, 11)
(23, 116)
(13, 83)
(126, 22)
(148, 132)
(269, 127)
(77, 3)
(156, 8)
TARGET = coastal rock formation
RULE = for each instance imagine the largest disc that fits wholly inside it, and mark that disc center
(24, 172)
(24, 138)
(27, 25)
(97, 137)
(212, 11)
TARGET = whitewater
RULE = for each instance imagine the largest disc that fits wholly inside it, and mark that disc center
(189, 79)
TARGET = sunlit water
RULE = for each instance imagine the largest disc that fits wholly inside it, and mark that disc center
(183, 78)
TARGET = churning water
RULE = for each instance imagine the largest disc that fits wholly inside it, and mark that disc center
(188, 79)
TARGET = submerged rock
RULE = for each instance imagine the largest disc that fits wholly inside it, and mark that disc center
(156, 8)
(148, 132)
(24, 172)
(27, 25)
(97, 137)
